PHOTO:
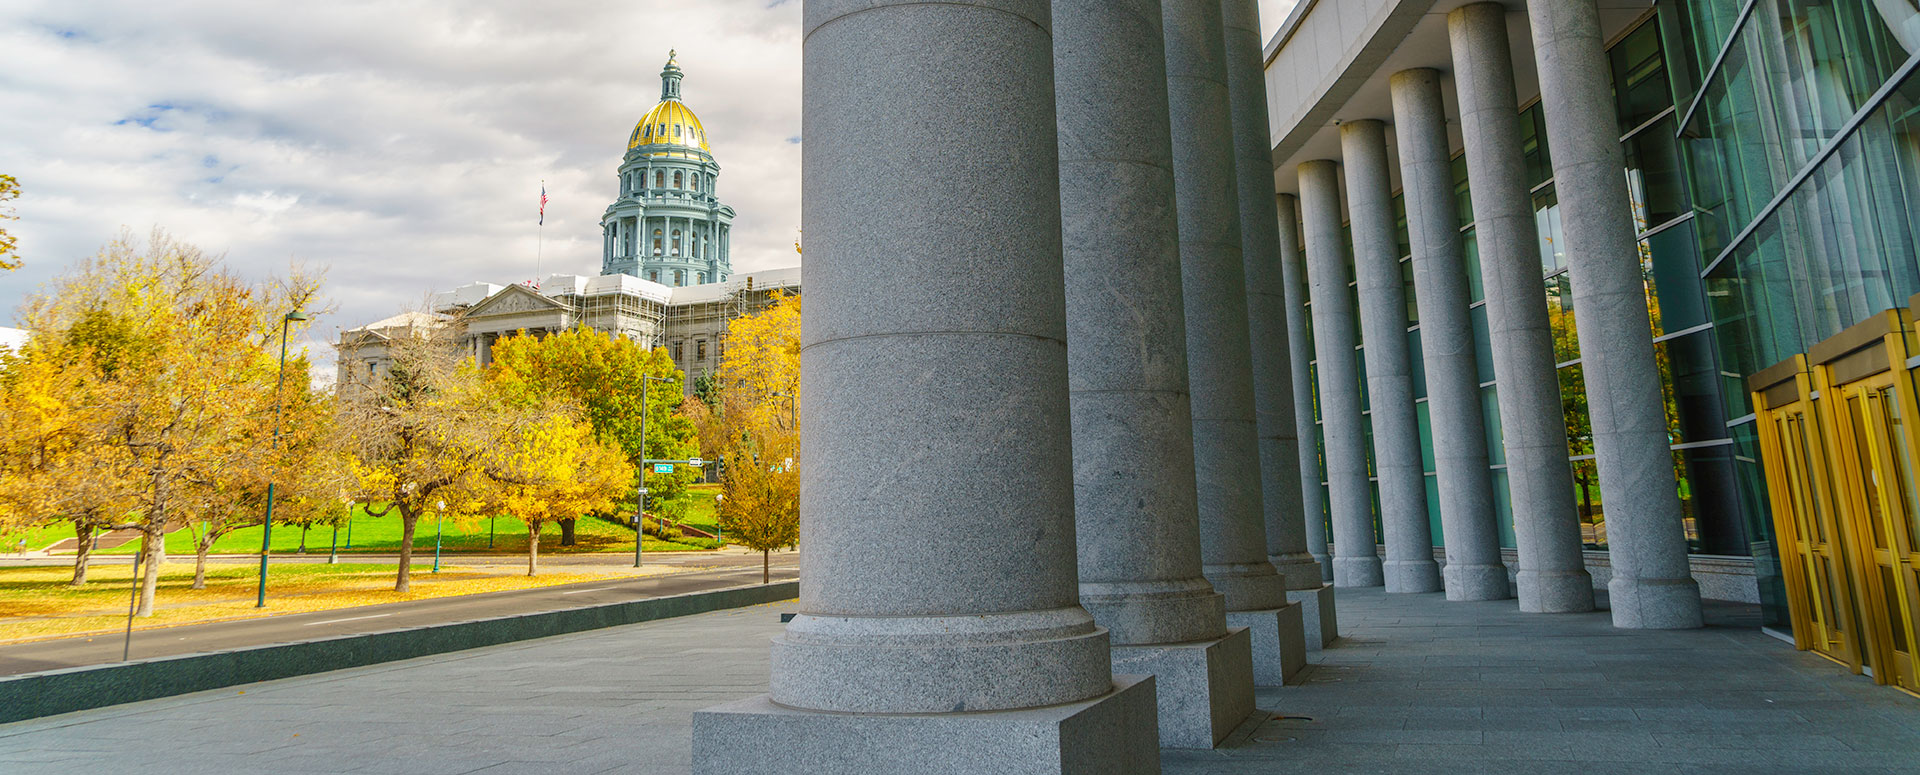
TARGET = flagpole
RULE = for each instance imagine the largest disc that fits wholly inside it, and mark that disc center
(540, 238)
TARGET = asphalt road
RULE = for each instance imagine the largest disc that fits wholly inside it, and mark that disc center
(216, 636)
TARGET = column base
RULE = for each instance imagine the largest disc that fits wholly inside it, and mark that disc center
(1357, 572)
(1649, 604)
(1204, 688)
(1279, 643)
(1411, 576)
(1301, 570)
(1477, 582)
(1322, 627)
(1554, 592)
(1326, 567)
(1112, 733)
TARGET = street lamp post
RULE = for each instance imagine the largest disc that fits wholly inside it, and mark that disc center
(349, 526)
(439, 529)
(640, 498)
(266, 529)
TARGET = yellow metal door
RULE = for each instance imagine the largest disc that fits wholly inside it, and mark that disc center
(1876, 440)
(1819, 591)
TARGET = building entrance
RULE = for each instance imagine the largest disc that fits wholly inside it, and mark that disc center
(1838, 434)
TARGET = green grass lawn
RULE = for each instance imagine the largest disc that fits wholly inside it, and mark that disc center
(382, 535)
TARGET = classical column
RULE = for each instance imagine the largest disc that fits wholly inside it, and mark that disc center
(1652, 585)
(1233, 532)
(1551, 574)
(1133, 486)
(1356, 563)
(1467, 518)
(1383, 330)
(1317, 605)
(1266, 299)
(940, 617)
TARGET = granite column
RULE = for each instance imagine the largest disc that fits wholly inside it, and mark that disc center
(1465, 486)
(1136, 518)
(940, 620)
(1318, 604)
(1266, 299)
(1551, 574)
(1233, 531)
(1356, 561)
(1652, 585)
(1383, 330)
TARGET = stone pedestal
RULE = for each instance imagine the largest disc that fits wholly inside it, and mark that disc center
(1279, 643)
(1652, 585)
(1316, 613)
(1205, 688)
(939, 628)
(1099, 736)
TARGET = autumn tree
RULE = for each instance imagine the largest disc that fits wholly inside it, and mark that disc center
(303, 465)
(52, 466)
(553, 468)
(759, 386)
(605, 375)
(419, 435)
(185, 357)
(9, 249)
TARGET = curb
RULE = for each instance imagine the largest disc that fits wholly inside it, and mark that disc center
(36, 695)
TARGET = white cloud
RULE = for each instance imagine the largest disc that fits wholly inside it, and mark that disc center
(399, 145)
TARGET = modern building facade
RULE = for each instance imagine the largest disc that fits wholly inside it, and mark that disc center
(668, 225)
(1768, 160)
(1555, 246)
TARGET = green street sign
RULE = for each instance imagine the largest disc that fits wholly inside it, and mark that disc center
(663, 468)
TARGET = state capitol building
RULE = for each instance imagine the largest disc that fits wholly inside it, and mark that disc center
(666, 275)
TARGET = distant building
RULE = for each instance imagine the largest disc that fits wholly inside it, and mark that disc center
(666, 276)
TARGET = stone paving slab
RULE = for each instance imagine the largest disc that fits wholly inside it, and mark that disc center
(1420, 686)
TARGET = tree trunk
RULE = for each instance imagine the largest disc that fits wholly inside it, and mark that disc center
(533, 548)
(150, 546)
(303, 539)
(405, 581)
(566, 531)
(200, 560)
(82, 555)
(765, 574)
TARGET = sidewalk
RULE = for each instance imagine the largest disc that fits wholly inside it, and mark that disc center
(1419, 685)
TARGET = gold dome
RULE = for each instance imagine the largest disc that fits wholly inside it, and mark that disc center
(673, 125)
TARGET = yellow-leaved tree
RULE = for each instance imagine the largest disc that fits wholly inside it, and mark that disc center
(178, 359)
(758, 417)
(551, 467)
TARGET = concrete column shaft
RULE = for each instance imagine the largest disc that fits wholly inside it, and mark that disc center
(1356, 562)
(1383, 329)
(1551, 571)
(932, 346)
(1465, 487)
(1652, 585)
(1293, 278)
(1266, 298)
(1233, 541)
(1136, 519)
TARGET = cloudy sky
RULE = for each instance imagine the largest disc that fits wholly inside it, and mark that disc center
(399, 145)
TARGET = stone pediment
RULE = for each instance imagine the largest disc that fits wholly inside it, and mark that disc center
(515, 299)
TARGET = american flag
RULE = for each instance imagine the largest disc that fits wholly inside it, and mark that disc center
(543, 204)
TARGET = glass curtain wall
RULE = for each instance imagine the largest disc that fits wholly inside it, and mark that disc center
(1800, 135)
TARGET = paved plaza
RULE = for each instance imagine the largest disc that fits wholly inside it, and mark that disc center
(1418, 685)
